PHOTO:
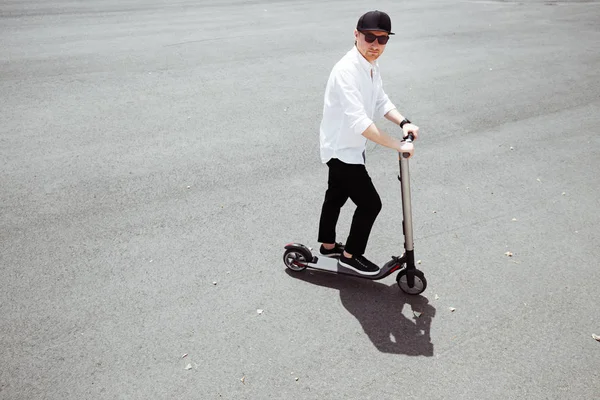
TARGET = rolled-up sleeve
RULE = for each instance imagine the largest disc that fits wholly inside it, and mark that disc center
(352, 102)
(383, 105)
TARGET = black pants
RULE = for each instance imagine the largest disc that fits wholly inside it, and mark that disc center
(349, 181)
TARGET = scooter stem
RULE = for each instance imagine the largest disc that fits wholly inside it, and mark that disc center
(406, 206)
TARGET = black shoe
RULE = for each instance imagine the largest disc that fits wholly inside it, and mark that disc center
(337, 250)
(359, 264)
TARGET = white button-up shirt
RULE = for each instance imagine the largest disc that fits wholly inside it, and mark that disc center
(353, 98)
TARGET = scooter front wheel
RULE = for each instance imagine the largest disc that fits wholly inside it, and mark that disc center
(420, 283)
(294, 260)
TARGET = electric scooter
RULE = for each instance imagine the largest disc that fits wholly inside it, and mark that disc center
(298, 257)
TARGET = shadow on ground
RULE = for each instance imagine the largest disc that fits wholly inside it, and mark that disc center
(379, 309)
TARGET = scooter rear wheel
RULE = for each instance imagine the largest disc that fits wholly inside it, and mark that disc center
(294, 260)
(420, 282)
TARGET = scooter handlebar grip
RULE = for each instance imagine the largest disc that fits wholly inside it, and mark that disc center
(409, 138)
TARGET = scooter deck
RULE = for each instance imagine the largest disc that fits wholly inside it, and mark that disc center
(325, 263)
(331, 264)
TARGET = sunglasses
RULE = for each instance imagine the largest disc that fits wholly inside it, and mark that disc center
(370, 38)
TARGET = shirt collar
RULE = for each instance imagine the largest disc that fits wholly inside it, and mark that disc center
(367, 66)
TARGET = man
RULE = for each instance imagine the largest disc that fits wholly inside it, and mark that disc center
(353, 98)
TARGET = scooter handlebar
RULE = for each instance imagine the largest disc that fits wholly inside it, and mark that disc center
(409, 139)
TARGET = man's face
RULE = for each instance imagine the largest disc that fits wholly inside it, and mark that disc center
(370, 51)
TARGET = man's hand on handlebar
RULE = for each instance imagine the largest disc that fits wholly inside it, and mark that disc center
(407, 149)
(410, 128)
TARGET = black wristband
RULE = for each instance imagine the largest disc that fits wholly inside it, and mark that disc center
(403, 122)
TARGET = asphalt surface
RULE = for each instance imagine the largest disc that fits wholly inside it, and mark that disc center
(157, 156)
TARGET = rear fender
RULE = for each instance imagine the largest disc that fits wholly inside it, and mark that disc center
(302, 249)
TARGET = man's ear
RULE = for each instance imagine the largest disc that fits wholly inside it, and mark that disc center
(355, 34)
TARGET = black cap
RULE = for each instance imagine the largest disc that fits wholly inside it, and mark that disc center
(375, 21)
